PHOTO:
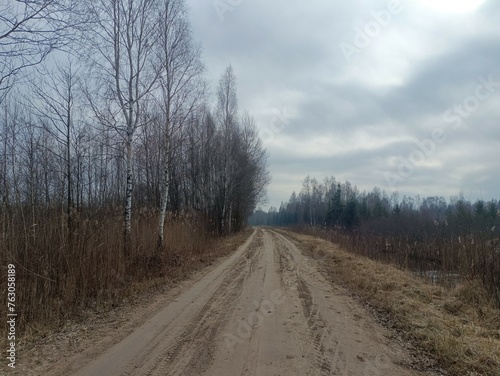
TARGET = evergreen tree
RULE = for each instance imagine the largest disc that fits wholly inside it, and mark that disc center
(350, 215)
(335, 209)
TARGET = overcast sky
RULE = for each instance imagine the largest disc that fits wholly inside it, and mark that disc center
(403, 95)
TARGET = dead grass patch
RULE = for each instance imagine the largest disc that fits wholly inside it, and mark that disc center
(60, 284)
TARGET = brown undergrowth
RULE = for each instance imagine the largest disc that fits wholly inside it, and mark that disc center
(61, 280)
(460, 326)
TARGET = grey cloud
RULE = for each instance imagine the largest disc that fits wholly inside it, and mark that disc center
(286, 56)
(445, 81)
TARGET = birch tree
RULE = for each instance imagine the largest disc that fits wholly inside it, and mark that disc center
(125, 44)
(181, 86)
(227, 117)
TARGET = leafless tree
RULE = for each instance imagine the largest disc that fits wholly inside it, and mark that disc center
(54, 102)
(227, 119)
(182, 87)
(252, 172)
(125, 41)
(29, 31)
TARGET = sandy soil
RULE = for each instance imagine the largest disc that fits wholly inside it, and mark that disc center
(265, 310)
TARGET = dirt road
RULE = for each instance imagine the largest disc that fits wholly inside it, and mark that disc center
(266, 310)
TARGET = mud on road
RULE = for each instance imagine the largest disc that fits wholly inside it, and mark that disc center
(265, 310)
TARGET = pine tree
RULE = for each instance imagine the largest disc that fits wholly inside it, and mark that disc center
(335, 208)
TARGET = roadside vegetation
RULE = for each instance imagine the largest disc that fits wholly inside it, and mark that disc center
(459, 326)
(91, 297)
(56, 283)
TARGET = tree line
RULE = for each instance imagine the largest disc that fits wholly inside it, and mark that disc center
(105, 111)
(342, 206)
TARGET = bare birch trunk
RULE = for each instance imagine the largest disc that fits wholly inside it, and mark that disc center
(163, 212)
(127, 230)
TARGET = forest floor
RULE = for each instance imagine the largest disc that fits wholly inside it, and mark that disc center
(275, 306)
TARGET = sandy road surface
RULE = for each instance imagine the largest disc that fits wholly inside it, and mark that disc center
(266, 310)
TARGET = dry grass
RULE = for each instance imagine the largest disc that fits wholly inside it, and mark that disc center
(58, 279)
(460, 326)
(469, 256)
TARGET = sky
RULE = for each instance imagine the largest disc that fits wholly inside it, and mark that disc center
(402, 95)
